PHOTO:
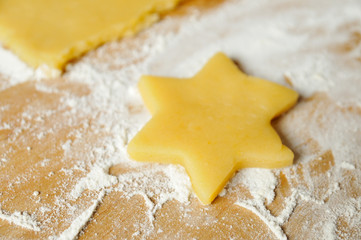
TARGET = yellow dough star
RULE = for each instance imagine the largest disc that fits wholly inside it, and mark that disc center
(213, 124)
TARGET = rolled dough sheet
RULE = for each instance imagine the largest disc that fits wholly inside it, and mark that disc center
(53, 32)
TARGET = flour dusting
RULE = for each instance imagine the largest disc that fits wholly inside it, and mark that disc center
(22, 219)
(77, 225)
(97, 109)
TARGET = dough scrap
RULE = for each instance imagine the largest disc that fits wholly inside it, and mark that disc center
(53, 32)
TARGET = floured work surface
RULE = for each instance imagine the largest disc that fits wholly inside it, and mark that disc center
(64, 171)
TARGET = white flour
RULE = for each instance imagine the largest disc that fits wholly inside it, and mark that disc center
(22, 219)
(16, 71)
(13, 69)
(288, 44)
(77, 225)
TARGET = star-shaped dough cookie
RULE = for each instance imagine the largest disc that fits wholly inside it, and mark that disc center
(213, 124)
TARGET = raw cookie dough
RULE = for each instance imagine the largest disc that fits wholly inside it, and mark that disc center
(213, 124)
(53, 32)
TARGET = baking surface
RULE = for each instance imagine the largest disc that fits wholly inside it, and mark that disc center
(64, 171)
